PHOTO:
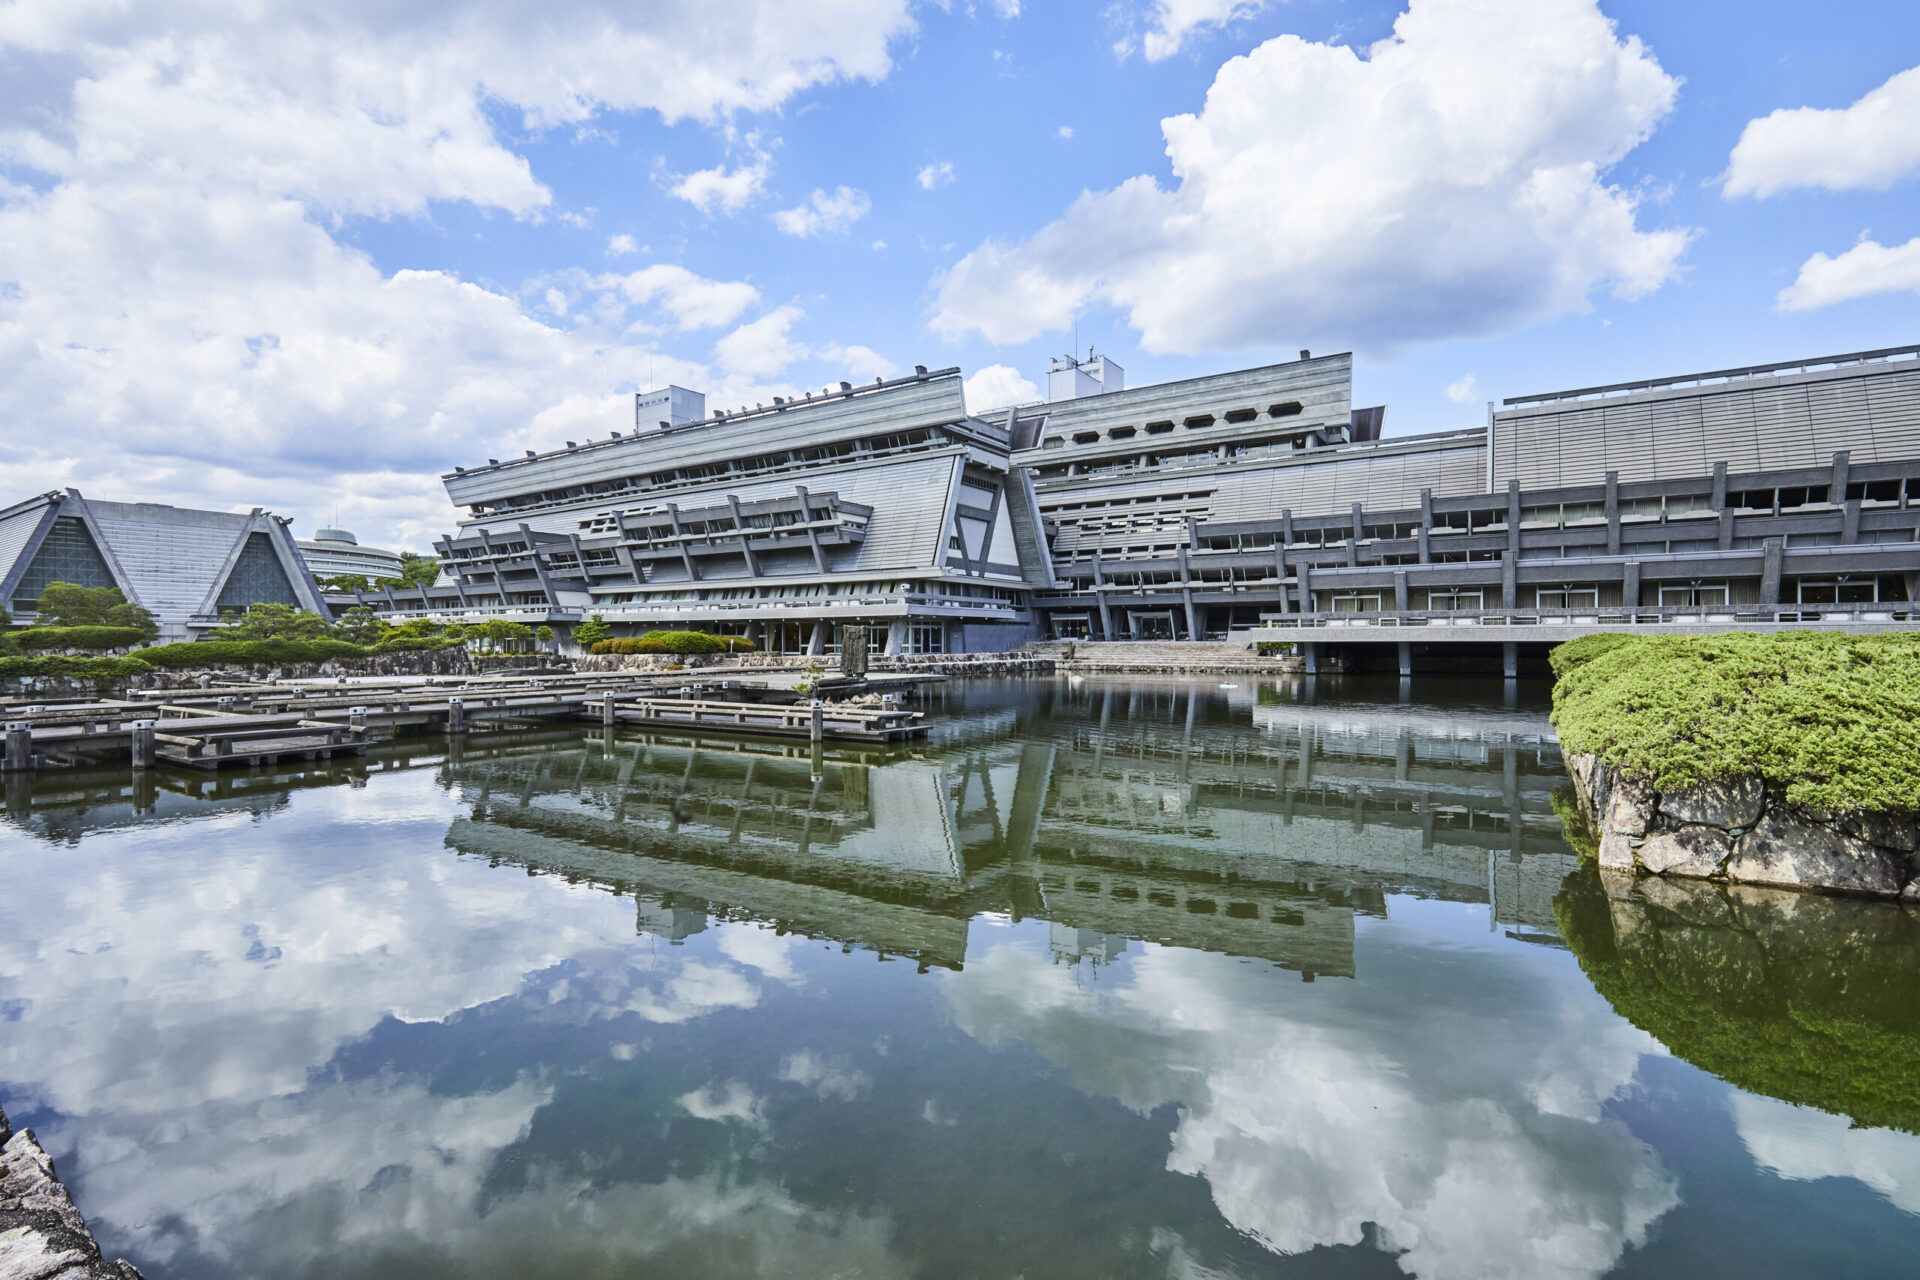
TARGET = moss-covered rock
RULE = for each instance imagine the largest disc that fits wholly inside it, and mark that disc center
(1831, 720)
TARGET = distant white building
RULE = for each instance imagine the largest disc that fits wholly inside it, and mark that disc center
(332, 553)
(186, 567)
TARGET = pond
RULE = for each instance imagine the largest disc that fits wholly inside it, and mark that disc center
(1143, 977)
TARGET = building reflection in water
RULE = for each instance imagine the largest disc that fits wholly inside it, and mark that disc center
(1256, 825)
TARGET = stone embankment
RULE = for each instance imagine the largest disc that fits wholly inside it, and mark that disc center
(957, 665)
(1742, 831)
(42, 1236)
(1164, 657)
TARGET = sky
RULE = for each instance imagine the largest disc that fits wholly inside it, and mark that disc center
(311, 256)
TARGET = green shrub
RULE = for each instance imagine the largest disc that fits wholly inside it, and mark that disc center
(1574, 653)
(676, 642)
(1832, 719)
(414, 644)
(201, 653)
(81, 638)
(57, 664)
(592, 632)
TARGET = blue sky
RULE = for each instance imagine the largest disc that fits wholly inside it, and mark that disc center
(310, 256)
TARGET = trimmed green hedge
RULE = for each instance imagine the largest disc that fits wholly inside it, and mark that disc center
(1575, 653)
(676, 642)
(202, 653)
(58, 664)
(81, 638)
(1832, 719)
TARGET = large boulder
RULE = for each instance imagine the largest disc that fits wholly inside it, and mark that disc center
(1787, 849)
(1686, 851)
(1629, 810)
(1731, 803)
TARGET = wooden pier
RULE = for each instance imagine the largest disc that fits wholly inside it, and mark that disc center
(254, 724)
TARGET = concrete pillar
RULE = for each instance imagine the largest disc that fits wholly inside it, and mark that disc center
(608, 717)
(1510, 660)
(1613, 513)
(1838, 491)
(1306, 589)
(1426, 546)
(1720, 486)
(817, 723)
(19, 746)
(1406, 658)
(896, 637)
(817, 642)
(1850, 522)
(1312, 651)
(1194, 629)
(456, 715)
(1400, 593)
(143, 744)
(1772, 557)
(1630, 585)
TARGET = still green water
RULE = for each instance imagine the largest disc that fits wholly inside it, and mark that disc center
(1151, 978)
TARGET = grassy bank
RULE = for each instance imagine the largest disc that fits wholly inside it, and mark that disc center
(1833, 720)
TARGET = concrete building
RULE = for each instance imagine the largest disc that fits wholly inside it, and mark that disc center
(334, 553)
(886, 505)
(1258, 504)
(186, 567)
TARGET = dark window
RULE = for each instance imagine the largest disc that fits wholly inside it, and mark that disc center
(1085, 437)
(1199, 420)
(66, 555)
(257, 578)
(1242, 415)
(1159, 428)
(1121, 433)
(1286, 410)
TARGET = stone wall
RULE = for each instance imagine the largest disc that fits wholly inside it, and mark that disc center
(42, 1235)
(1743, 831)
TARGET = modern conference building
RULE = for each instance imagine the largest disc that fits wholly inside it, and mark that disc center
(885, 504)
(336, 553)
(186, 567)
(1257, 503)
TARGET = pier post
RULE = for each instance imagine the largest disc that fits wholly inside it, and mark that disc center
(606, 710)
(456, 715)
(357, 724)
(143, 744)
(19, 746)
(817, 723)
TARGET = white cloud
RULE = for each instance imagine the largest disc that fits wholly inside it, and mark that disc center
(1871, 144)
(1866, 269)
(1806, 1144)
(181, 324)
(1177, 21)
(693, 301)
(1474, 1140)
(1007, 8)
(830, 1078)
(731, 1101)
(1463, 391)
(824, 211)
(1065, 131)
(762, 348)
(1445, 182)
(857, 361)
(935, 175)
(728, 190)
(996, 387)
(621, 245)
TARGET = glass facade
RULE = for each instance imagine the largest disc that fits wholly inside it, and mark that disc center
(257, 578)
(67, 555)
